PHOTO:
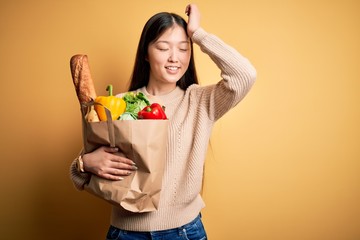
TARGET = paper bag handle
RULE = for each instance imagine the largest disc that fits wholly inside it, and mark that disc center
(85, 109)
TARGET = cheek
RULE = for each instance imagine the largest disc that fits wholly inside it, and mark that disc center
(153, 63)
(156, 65)
(155, 59)
(186, 59)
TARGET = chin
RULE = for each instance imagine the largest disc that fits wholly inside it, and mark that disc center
(172, 80)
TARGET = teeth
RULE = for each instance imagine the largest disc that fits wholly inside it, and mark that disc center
(172, 68)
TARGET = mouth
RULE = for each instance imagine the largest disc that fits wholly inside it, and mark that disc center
(172, 68)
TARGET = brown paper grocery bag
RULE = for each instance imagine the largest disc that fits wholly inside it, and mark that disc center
(142, 141)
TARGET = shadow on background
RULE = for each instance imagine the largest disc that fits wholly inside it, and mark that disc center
(49, 207)
(62, 212)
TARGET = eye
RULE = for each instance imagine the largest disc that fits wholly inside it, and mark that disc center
(183, 47)
(162, 47)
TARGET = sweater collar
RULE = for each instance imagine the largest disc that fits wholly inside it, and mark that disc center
(166, 98)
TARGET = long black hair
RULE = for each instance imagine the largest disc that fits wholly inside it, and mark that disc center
(152, 30)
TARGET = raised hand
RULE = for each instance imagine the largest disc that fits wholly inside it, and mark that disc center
(194, 18)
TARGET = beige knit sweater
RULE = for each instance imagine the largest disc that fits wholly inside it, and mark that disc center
(192, 114)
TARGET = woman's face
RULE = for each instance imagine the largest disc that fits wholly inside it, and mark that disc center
(169, 58)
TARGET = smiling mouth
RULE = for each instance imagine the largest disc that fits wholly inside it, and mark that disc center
(172, 68)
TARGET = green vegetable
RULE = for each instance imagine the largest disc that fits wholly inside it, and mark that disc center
(127, 116)
(135, 102)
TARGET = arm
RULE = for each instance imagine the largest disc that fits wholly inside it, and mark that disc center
(237, 73)
(105, 162)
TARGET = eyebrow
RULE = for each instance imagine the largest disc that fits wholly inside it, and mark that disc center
(163, 41)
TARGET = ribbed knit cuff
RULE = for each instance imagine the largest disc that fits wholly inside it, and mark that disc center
(79, 179)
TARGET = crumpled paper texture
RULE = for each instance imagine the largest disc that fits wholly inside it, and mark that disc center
(142, 141)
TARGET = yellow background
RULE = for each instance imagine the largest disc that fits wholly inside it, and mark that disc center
(284, 164)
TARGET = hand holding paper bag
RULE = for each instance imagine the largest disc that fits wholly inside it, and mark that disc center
(142, 141)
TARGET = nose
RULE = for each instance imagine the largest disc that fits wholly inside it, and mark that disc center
(173, 56)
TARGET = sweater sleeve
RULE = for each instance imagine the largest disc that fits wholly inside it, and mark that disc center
(79, 179)
(237, 75)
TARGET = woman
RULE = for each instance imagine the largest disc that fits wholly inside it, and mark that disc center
(164, 70)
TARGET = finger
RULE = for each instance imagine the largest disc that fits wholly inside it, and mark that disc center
(112, 177)
(187, 10)
(111, 149)
(115, 174)
(120, 173)
(123, 166)
(124, 160)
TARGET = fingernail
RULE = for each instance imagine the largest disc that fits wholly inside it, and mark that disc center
(135, 167)
(120, 178)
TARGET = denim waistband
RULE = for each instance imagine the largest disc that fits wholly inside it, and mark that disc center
(192, 222)
(178, 229)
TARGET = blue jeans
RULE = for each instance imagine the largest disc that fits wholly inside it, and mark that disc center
(191, 231)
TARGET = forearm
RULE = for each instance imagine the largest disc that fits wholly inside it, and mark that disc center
(237, 73)
(234, 67)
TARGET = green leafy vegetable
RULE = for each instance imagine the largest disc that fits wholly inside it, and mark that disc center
(127, 116)
(135, 102)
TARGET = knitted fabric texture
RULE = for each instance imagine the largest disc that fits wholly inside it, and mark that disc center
(192, 114)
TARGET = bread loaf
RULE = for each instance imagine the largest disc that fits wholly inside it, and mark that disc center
(82, 80)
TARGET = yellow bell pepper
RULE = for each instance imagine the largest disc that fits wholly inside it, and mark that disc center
(116, 105)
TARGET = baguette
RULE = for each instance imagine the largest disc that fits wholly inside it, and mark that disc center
(84, 85)
(80, 72)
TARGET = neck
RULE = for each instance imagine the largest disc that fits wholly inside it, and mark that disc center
(160, 90)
